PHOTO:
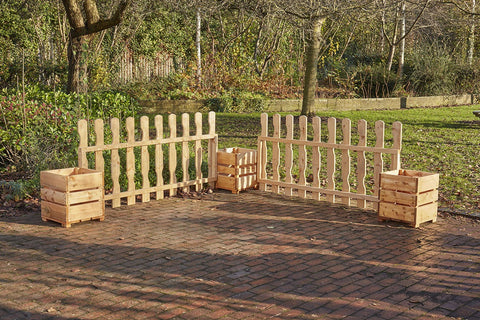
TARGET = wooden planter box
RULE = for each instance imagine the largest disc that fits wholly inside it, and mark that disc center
(408, 196)
(72, 195)
(237, 169)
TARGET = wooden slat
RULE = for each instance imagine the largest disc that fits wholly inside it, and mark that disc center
(145, 158)
(262, 152)
(332, 138)
(276, 151)
(212, 149)
(198, 151)
(115, 161)
(289, 154)
(83, 135)
(321, 190)
(159, 155)
(302, 156)
(361, 162)
(325, 145)
(185, 149)
(158, 188)
(99, 142)
(397, 144)
(130, 165)
(172, 153)
(377, 157)
(147, 143)
(316, 160)
(346, 160)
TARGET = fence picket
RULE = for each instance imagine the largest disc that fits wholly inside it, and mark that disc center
(212, 150)
(361, 162)
(288, 154)
(276, 151)
(377, 157)
(302, 156)
(115, 162)
(198, 151)
(332, 138)
(185, 149)
(397, 144)
(346, 160)
(262, 153)
(145, 158)
(99, 142)
(316, 160)
(172, 153)
(83, 136)
(159, 155)
(130, 165)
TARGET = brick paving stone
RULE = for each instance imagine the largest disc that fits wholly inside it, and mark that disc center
(249, 256)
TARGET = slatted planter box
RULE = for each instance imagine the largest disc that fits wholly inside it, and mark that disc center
(72, 195)
(408, 196)
(237, 169)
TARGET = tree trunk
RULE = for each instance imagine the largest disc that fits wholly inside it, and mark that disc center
(401, 54)
(311, 64)
(199, 48)
(471, 38)
(77, 65)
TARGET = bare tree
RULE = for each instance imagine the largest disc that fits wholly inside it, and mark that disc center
(314, 13)
(84, 22)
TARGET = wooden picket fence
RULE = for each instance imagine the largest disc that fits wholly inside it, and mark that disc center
(130, 194)
(289, 183)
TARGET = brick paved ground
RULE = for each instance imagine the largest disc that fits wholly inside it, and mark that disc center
(251, 256)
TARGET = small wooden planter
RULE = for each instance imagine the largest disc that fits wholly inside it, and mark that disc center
(237, 169)
(408, 196)
(72, 195)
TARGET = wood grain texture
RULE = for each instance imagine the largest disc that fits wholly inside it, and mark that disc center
(130, 164)
(145, 158)
(332, 138)
(115, 162)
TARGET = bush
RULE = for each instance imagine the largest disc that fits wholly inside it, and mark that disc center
(235, 102)
(41, 134)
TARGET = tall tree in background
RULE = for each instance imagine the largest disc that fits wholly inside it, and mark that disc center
(314, 13)
(83, 24)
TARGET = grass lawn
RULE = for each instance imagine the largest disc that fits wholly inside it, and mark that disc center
(444, 140)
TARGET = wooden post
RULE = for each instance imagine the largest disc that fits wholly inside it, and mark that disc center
(302, 156)
(159, 155)
(316, 164)
(346, 160)
(332, 138)
(212, 149)
(262, 152)
(397, 144)
(145, 158)
(289, 154)
(130, 166)
(276, 151)
(198, 151)
(99, 142)
(115, 159)
(377, 157)
(361, 162)
(172, 152)
(185, 150)
(83, 135)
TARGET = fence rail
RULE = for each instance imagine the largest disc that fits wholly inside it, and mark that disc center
(143, 144)
(330, 190)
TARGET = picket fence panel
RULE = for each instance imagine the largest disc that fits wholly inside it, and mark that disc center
(332, 194)
(131, 143)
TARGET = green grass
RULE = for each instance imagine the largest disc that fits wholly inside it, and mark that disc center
(443, 140)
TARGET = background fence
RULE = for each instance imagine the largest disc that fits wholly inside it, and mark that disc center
(320, 159)
(178, 149)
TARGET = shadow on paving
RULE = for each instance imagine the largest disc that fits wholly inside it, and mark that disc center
(268, 257)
